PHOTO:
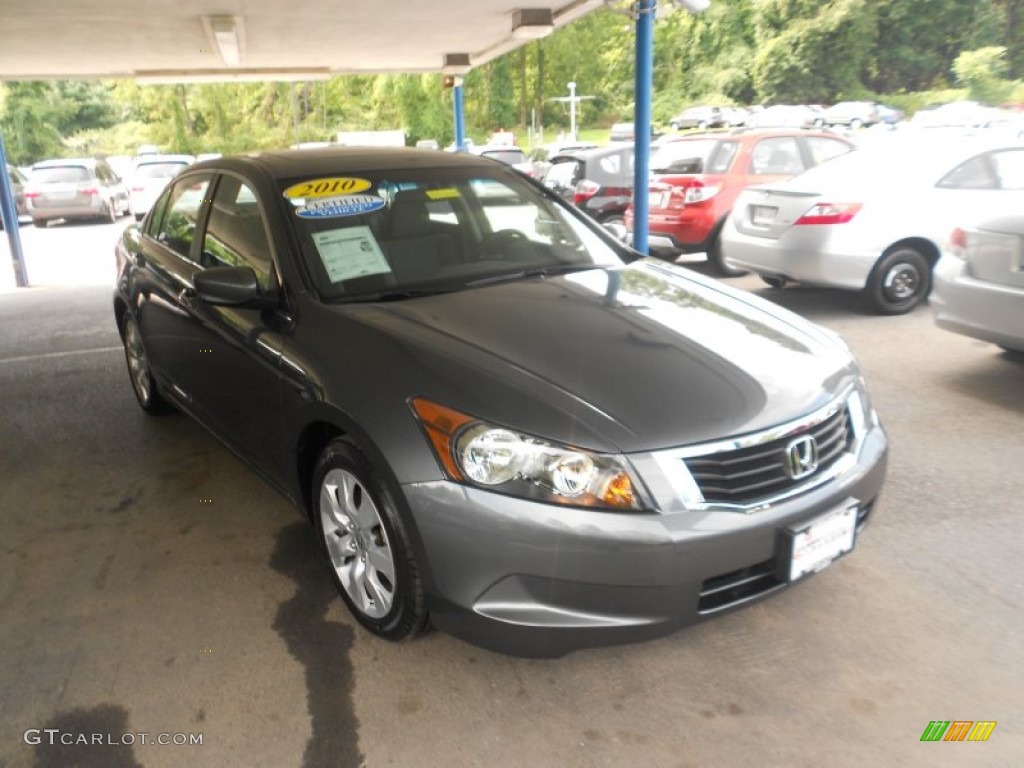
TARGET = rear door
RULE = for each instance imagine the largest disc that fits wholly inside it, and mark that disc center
(167, 262)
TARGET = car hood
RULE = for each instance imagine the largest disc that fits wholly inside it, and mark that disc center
(636, 358)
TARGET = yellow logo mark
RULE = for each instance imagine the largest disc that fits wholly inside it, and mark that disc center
(327, 187)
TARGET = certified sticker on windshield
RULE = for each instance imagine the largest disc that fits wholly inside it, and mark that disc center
(350, 253)
(326, 187)
(334, 207)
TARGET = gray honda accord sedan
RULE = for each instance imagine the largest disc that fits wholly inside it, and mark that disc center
(499, 420)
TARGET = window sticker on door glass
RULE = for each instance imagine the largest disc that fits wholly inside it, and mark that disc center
(336, 207)
(350, 253)
(326, 187)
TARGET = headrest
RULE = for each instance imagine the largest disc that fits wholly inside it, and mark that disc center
(409, 216)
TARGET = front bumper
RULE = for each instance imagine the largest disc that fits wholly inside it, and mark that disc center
(538, 580)
(979, 309)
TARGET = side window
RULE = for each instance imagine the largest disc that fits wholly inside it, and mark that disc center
(777, 156)
(722, 157)
(177, 227)
(1010, 168)
(977, 173)
(822, 149)
(611, 164)
(235, 232)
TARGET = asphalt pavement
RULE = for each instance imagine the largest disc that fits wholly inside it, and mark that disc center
(151, 584)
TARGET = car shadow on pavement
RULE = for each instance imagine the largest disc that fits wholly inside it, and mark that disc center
(321, 646)
(107, 720)
(996, 381)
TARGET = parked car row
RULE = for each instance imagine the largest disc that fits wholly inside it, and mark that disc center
(845, 114)
(696, 180)
(76, 189)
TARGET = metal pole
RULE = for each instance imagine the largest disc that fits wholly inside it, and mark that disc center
(642, 120)
(572, 111)
(460, 117)
(9, 214)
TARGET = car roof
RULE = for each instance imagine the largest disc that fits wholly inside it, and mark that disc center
(288, 163)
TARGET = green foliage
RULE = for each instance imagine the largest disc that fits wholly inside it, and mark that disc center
(29, 121)
(737, 52)
(981, 73)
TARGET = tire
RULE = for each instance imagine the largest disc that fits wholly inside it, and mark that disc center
(856, 123)
(900, 281)
(366, 545)
(146, 392)
(674, 126)
(775, 281)
(717, 260)
(42, 223)
(702, 125)
(110, 212)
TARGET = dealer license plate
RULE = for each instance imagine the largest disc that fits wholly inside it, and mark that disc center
(816, 544)
(763, 215)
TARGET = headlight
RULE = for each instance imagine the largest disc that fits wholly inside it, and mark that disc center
(512, 462)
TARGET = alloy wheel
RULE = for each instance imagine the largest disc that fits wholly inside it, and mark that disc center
(357, 543)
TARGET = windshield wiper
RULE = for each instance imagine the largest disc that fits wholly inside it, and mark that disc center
(523, 274)
(396, 295)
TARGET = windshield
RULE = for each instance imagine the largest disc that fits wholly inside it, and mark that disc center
(397, 233)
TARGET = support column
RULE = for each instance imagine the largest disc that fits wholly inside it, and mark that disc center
(642, 120)
(460, 117)
(9, 213)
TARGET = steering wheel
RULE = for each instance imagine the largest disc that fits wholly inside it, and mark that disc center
(494, 245)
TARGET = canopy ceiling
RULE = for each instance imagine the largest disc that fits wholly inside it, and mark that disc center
(199, 39)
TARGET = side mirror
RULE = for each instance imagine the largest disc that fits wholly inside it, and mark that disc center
(231, 287)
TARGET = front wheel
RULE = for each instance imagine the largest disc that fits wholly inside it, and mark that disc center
(366, 544)
(718, 261)
(901, 280)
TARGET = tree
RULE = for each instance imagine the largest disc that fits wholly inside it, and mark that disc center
(981, 72)
(28, 119)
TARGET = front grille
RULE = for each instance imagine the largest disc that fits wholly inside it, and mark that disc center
(747, 474)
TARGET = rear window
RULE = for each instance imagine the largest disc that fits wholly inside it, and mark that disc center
(683, 156)
(563, 173)
(507, 156)
(159, 170)
(61, 174)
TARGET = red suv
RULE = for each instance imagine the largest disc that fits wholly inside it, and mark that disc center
(696, 179)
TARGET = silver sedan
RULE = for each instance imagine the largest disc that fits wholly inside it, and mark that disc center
(979, 283)
(874, 219)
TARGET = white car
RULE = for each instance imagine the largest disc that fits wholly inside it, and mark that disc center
(874, 219)
(979, 281)
(151, 174)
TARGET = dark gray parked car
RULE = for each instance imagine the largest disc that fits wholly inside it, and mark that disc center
(498, 419)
